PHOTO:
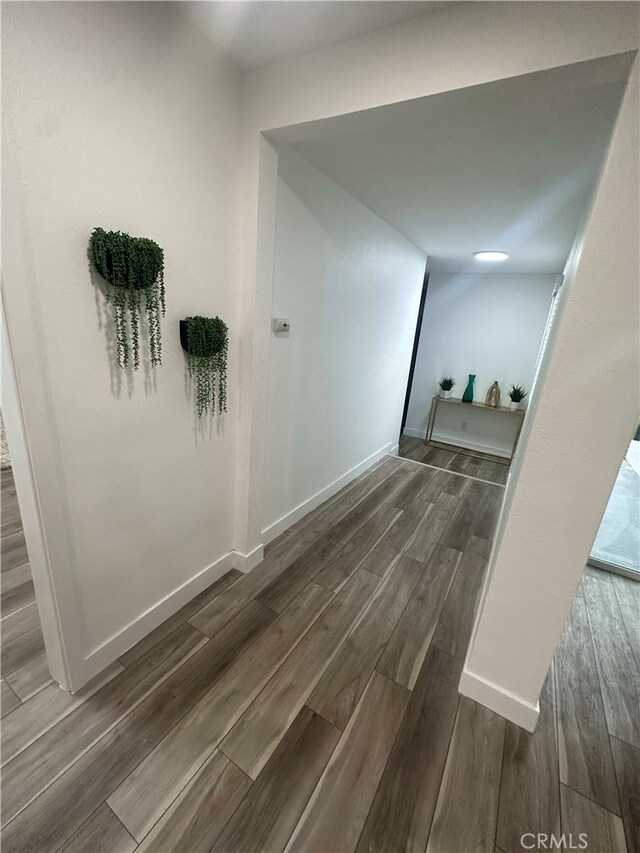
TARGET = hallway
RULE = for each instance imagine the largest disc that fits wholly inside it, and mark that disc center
(312, 704)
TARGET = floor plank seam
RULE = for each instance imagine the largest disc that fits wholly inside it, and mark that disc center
(170, 805)
(456, 473)
(35, 692)
(54, 722)
(444, 767)
(628, 830)
(357, 566)
(590, 799)
(218, 745)
(177, 628)
(115, 816)
(205, 755)
(580, 601)
(601, 678)
(232, 815)
(12, 697)
(325, 528)
(497, 812)
(13, 613)
(311, 793)
(444, 604)
(500, 785)
(347, 537)
(395, 740)
(103, 734)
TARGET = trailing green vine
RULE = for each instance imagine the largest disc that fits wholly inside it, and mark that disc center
(207, 347)
(131, 267)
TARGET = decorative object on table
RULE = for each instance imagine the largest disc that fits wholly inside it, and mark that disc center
(493, 395)
(446, 384)
(517, 395)
(132, 267)
(206, 342)
(467, 397)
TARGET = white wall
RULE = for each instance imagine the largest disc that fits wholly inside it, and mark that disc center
(583, 411)
(350, 285)
(490, 325)
(118, 115)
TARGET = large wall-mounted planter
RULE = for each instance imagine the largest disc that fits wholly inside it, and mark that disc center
(206, 342)
(133, 269)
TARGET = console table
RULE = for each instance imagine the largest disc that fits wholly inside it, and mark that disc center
(455, 401)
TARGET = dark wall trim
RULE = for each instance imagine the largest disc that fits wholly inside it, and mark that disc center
(414, 354)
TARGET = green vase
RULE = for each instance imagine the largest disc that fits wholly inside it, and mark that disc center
(467, 397)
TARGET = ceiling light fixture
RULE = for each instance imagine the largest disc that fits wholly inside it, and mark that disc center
(490, 256)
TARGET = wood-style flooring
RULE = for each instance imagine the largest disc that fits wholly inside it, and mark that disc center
(24, 663)
(477, 465)
(312, 704)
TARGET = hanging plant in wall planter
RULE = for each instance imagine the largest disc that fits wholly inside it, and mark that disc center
(133, 268)
(206, 342)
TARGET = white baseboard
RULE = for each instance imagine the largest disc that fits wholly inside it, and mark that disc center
(469, 444)
(414, 433)
(311, 503)
(132, 633)
(393, 451)
(246, 562)
(508, 705)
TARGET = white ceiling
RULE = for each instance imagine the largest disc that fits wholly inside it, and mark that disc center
(506, 166)
(254, 34)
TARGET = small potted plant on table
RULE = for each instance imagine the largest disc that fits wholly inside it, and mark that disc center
(517, 395)
(446, 385)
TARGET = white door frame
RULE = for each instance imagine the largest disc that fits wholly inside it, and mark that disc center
(23, 475)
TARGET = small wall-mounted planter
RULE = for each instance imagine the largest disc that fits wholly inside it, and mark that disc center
(206, 342)
(133, 268)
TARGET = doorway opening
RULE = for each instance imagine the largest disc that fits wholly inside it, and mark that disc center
(363, 200)
(617, 545)
(487, 450)
(24, 662)
(33, 654)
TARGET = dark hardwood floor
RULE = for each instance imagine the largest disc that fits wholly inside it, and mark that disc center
(477, 465)
(312, 704)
